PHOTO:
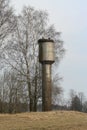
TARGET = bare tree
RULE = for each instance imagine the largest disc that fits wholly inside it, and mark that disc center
(77, 100)
(81, 97)
(22, 51)
(12, 93)
(7, 20)
(85, 106)
(57, 90)
(3, 93)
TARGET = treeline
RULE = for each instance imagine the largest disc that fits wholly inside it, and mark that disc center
(76, 102)
(14, 96)
(14, 99)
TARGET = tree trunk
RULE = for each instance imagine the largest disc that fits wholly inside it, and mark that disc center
(30, 97)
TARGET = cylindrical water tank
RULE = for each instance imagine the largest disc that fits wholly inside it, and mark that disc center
(46, 51)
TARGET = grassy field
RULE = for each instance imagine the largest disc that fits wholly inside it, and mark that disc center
(57, 120)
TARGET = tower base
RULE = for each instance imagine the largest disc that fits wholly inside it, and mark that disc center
(46, 87)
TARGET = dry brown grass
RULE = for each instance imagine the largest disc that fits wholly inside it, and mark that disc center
(57, 120)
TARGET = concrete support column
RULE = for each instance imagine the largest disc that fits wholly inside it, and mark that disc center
(46, 87)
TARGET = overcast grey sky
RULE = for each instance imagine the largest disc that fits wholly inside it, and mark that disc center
(69, 17)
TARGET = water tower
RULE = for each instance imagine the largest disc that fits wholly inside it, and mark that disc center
(46, 58)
